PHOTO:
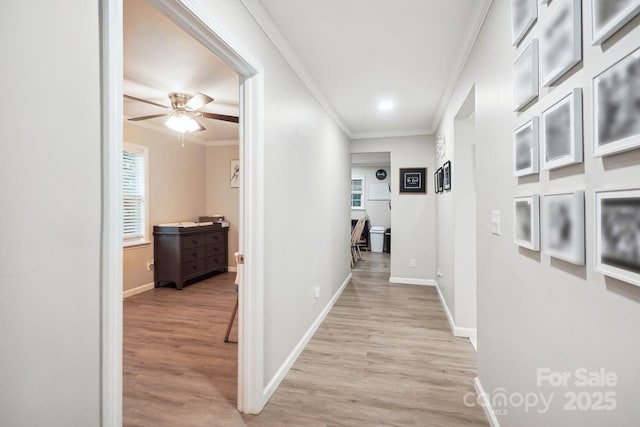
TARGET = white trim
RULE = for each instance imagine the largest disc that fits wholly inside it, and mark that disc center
(476, 21)
(191, 17)
(412, 281)
(486, 403)
(297, 350)
(392, 134)
(457, 331)
(222, 143)
(144, 239)
(233, 269)
(111, 55)
(262, 17)
(135, 291)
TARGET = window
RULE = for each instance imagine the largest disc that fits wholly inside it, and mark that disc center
(357, 192)
(134, 194)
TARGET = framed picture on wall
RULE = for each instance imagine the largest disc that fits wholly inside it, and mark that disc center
(527, 221)
(562, 132)
(440, 180)
(563, 226)
(616, 105)
(611, 15)
(413, 180)
(525, 148)
(526, 77)
(446, 172)
(436, 184)
(234, 174)
(561, 41)
(618, 234)
(524, 14)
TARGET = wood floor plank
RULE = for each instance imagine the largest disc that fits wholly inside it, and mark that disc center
(383, 356)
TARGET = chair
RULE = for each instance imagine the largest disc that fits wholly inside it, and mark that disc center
(355, 240)
(235, 306)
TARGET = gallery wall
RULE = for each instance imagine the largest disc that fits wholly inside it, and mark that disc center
(221, 197)
(535, 311)
(412, 215)
(377, 210)
(177, 192)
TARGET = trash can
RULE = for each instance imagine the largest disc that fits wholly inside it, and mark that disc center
(377, 238)
(387, 241)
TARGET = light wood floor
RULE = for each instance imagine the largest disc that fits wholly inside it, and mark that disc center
(383, 356)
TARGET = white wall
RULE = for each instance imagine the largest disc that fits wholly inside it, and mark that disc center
(50, 218)
(535, 312)
(412, 216)
(50, 305)
(377, 210)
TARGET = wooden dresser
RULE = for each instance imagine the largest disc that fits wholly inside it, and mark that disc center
(186, 253)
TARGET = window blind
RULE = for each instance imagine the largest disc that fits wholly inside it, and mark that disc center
(133, 194)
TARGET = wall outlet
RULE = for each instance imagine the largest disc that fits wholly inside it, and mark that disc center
(495, 222)
(150, 265)
(316, 294)
(412, 263)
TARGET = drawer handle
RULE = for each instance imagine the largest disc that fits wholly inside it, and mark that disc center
(195, 242)
(195, 255)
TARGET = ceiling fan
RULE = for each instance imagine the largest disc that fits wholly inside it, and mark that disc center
(185, 111)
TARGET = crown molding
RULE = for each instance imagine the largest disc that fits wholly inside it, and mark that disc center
(476, 21)
(188, 137)
(265, 21)
(392, 134)
(222, 143)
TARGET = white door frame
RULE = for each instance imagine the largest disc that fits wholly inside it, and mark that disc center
(198, 23)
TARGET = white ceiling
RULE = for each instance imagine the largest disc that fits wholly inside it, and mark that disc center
(160, 58)
(354, 54)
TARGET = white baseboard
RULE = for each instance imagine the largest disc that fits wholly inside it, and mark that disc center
(486, 403)
(135, 291)
(233, 269)
(457, 331)
(411, 281)
(293, 356)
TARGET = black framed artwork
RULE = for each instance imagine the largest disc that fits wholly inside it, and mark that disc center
(413, 180)
(381, 174)
(446, 178)
(436, 186)
(440, 173)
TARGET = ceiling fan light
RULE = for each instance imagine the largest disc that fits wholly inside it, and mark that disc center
(182, 123)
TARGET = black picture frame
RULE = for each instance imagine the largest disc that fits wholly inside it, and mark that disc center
(440, 173)
(413, 180)
(446, 176)
(435, 182)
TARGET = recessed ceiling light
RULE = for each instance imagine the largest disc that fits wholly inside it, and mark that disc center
(386, 106)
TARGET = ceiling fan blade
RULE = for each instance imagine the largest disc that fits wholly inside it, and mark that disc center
(198, 101)
(133, 98)
(223, 117)
(153, 116)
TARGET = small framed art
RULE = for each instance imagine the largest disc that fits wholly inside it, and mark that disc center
(413, 180)
(525, 77)
(234, 174)
(525, 148)
(561, 41)
(436, 184)
(524, 14)
(440, 173)
(562, 138)
(563, 226)
(616, 107)
(527, 221)
(618, 234)
(611, 15)
(446, 173)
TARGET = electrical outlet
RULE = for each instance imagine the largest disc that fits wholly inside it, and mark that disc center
(495, 222)
(412, 263)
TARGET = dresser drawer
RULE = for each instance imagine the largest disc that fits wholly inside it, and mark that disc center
(192, 254)
(192, 268)
(217, 261)
(216, 249)
(189, 242)
(211, 238)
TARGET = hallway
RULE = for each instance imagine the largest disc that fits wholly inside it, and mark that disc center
(383, 356)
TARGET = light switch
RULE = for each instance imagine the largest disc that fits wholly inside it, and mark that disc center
(495, 222)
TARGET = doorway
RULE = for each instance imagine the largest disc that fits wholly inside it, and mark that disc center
(465, 212)
(201, 26)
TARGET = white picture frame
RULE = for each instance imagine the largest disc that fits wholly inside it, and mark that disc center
(526, 76)
(561, 41)
(526, 155)
(562, 133)
(612, 91)
(524, 13)
(562, 226)
(608, 17)
(234, 173)
(526, 221)
(618, 220)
